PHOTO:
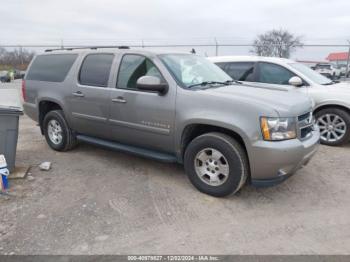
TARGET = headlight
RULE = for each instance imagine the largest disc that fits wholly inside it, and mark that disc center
(276, 128)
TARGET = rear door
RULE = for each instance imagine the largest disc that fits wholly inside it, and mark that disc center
(90, 95)
(241, 71)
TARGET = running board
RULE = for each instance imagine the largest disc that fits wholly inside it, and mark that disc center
(129, 149)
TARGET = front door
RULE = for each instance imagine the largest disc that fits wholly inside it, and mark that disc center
(270, 75)
(91, 95)
(141, 118)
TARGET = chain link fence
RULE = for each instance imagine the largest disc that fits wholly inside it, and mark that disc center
(310, 53)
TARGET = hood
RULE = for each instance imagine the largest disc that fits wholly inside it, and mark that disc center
(342, 87)
(286, 104)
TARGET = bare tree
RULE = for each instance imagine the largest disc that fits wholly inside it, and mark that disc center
(18, 57)
(278, 43)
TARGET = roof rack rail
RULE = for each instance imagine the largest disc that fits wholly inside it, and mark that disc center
(88, 47)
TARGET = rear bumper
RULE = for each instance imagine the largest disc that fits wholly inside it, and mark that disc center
(274, 162)
(31, 111)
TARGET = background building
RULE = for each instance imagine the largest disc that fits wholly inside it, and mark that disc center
(339, 58)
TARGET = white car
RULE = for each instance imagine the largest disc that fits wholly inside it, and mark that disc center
(343, 71)
(328, 70)
(332, 100)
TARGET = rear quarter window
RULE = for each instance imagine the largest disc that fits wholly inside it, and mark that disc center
(51, 68)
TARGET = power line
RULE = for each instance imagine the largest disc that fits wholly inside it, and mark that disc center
(166, 45)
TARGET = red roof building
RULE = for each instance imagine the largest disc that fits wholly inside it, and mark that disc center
(337, 57)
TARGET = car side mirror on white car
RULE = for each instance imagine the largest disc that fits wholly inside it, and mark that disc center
(295, 81)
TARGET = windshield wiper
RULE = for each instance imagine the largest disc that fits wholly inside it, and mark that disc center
(206, 83)
(228, 82)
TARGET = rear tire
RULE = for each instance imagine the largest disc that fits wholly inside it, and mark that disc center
(216, 164)
(334, 126)
(57, 132)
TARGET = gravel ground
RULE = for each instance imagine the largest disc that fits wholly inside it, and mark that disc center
(96, 201)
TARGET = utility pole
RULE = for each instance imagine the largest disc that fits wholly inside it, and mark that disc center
(216, 47)
(348, 61)
(21, 55)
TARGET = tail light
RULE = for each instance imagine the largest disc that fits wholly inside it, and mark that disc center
(24, 89)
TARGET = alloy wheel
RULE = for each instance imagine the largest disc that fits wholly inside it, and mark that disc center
(332, 127)
(211, 167)
(54, 131)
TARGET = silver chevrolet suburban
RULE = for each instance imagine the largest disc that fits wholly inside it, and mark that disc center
(173, 107)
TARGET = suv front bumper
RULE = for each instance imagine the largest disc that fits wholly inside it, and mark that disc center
(273, 162)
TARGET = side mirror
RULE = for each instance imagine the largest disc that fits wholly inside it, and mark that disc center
(295, 81)
(152, 83)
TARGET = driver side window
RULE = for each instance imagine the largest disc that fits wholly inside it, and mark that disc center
(273, 74)
(132, 67)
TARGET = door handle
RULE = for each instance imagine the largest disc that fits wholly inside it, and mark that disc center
(119, 99)
(78, 93)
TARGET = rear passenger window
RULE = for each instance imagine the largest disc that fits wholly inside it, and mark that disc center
(51, 68)
(242, 71)
(95, 70)
(132, 68)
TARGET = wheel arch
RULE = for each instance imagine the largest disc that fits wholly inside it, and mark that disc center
(327, 106)
(193, 130)
(45, 106)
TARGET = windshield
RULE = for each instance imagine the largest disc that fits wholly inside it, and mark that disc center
(190, 70)
(311, 74)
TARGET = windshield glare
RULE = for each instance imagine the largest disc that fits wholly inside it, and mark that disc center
(311, 74)
(191, 69)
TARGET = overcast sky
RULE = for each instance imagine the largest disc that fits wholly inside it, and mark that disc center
(176, 21)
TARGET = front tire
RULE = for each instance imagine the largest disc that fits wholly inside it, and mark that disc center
(216, 164)
(57, 132)
(334, 124)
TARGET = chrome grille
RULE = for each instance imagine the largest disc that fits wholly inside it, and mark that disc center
(305, 125)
